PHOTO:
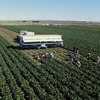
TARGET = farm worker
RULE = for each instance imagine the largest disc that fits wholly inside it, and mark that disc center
(89, 55)
(98, 59)
(79, 64)
(51, 55)
(38, 58)
(46, 54)
(76, 51)
(43, 55)
(72, 58)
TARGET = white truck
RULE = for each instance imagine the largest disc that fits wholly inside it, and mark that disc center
(30, 40)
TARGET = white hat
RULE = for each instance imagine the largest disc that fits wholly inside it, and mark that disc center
(78, 62)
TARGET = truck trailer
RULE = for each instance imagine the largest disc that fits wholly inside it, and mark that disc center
(30, 40)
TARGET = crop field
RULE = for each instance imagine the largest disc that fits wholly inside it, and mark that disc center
(86, 37)
(24, 78)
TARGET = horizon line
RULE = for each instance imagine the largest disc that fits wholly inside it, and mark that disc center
(48, 20)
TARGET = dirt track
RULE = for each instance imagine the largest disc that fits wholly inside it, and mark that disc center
(9, 35)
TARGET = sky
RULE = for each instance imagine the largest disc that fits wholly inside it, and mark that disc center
(74, 10)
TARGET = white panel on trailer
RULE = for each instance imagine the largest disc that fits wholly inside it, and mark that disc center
(29, 39)
(42, 38)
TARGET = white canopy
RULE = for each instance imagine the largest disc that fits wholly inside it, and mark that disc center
(42, 38)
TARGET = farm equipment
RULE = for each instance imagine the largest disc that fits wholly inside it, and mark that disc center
(30, 40)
